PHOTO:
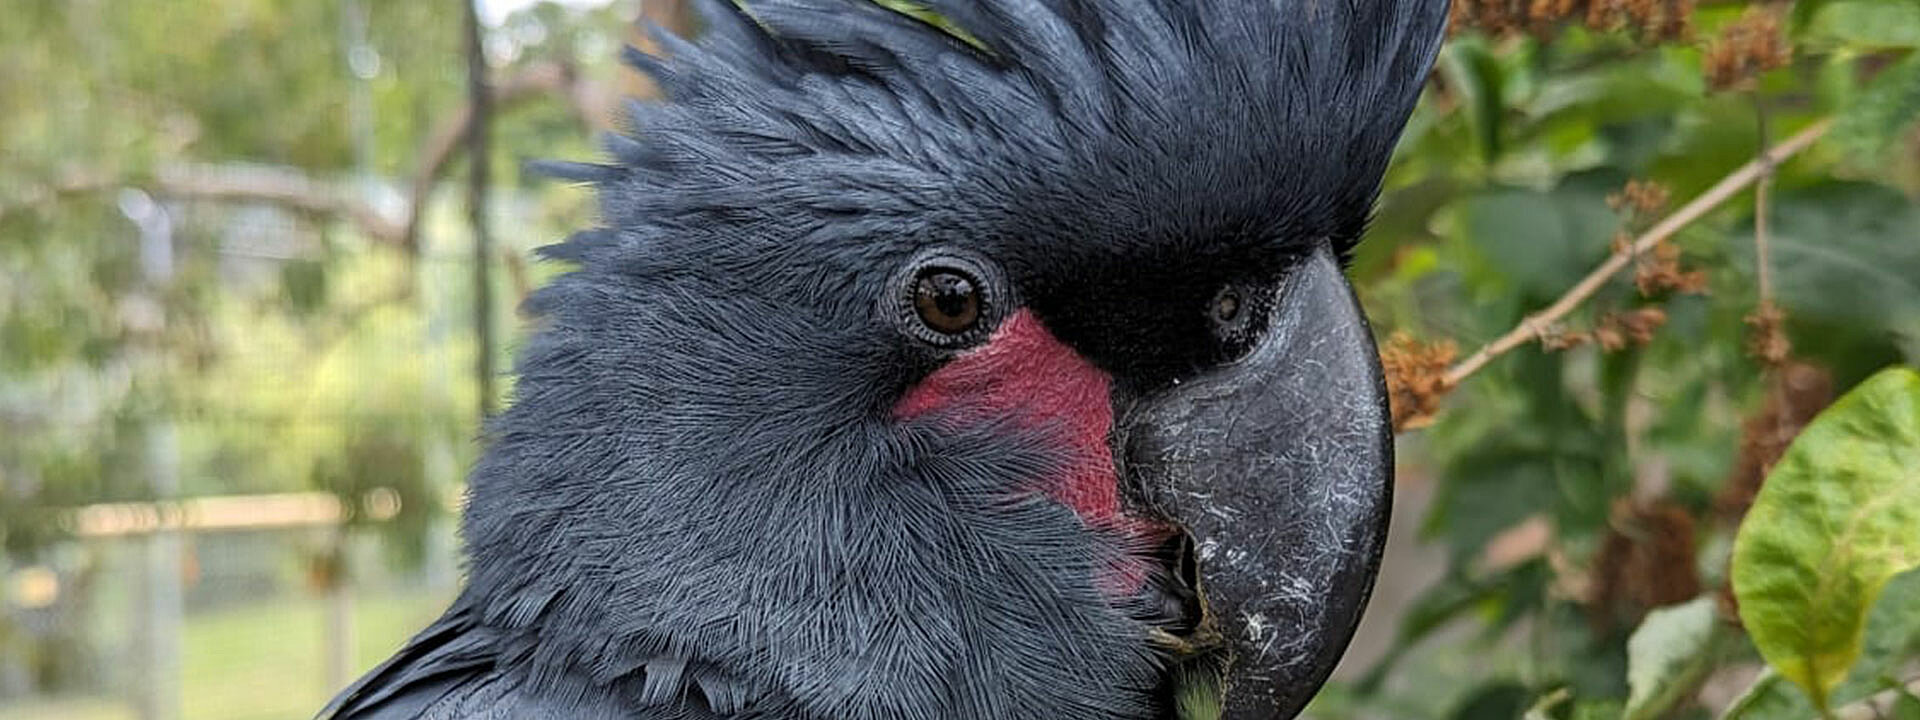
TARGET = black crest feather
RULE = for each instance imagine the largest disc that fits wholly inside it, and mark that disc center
(699, 502)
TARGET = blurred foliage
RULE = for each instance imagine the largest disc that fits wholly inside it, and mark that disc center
(1590, 483)
(1588, 487)
(293, 350)
(248, 335)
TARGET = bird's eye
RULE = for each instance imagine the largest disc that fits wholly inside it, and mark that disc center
(1226, 305)
(1229, 312)
(1235, 314)
(947, 301)
(949, 298)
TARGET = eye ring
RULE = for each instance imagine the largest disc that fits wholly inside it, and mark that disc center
(947, 298)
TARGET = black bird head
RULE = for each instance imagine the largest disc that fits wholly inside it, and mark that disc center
(959, 359)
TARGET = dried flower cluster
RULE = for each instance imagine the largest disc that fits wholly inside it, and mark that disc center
(1654, 21)
(1655, 272)
(1660, 270)
(1797, 391)
(1647, 560)
(1614, 331)
(1747, 47)
(1557, 337)
(1617, 330)
(1768, 339)
(1642, 200)
(1416, 378)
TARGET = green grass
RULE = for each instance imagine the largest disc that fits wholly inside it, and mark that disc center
(261, 662)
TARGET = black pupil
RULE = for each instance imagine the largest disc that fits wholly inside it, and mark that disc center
(947, 301)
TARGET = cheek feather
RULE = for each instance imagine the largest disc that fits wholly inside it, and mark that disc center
(1027, 375)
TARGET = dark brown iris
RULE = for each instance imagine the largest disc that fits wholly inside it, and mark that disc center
(948, 302)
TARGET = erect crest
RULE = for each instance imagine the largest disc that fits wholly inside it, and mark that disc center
(702, 396)
(1270, 116)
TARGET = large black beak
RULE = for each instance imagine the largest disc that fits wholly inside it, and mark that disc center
(1280, 466)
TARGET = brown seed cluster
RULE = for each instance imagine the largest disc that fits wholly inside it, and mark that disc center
(1647, 560)
(1747, 47)
(1558, 337)
(1655, 273)
(1416, 378)
(1796, 392)
(1615, 331)
(1767, 338)
(1660, 271)
(1642, 202)
(1654, 21)
(1642, 198)
(1618, 330)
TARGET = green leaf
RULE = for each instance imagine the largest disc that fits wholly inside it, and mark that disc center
(1906, 707)
(1893, 633)
(921, 12)
(1844, 253)
(304, 285)
(1542, 242)
(1877, 117)
(1866, 24)
(1440, 604)
(1498, 699)
(1667, 655)
(1837, 518)
(1469, 66)
(1487, 492)
(1770, 697)
(1543, 708)
(1596, 710)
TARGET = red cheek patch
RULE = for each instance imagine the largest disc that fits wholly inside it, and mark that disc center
(1027, 375)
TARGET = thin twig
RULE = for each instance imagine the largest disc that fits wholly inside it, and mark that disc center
(1531, 327)
(590, 102)
(1762, 257)
(265, 184)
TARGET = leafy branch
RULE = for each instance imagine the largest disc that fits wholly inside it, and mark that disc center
(282, 186)
(293, 189)
(1538, 324)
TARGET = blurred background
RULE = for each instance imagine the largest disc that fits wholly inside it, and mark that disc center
(255, 300)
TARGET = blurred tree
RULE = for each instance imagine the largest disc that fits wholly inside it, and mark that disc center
(280, 158)
(1592, 464)
(1669, 261)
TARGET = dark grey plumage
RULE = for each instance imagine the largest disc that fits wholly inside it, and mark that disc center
(700, 504)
